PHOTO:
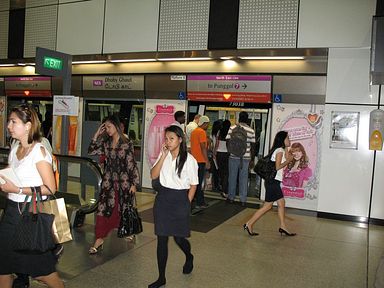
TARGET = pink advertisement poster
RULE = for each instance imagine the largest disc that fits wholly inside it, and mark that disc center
(158, 116)
(304, 124)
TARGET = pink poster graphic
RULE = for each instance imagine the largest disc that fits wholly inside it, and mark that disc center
(304, 124)
(158, 115)
(162, 119)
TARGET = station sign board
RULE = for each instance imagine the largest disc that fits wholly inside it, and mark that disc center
(39, 86)
(230, 88)
(114, 82)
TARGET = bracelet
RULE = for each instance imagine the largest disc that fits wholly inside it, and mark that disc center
(20, 190)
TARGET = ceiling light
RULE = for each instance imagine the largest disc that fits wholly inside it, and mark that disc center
(185, 59)
(226, 58)
(131, 60)
(7, 65)
(90, 62)
(271, 57)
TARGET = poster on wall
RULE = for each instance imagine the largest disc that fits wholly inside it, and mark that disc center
(304, 124)
(74, 131)
(344, 130)
(158, 116)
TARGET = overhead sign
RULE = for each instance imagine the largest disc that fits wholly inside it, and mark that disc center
(230, 88)
(53, 63)
(114, 82)
(28, 86)
(65, 105)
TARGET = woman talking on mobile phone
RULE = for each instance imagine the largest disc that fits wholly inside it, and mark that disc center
(175, 178)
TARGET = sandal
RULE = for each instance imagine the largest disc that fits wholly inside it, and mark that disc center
(95, 250)
(131, 238)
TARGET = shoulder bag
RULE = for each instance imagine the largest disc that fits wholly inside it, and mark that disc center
(130, 221)
(33, 234)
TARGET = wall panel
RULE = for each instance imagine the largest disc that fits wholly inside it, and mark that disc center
(4, 5)
(40, 29)
(267, 24)
(183, 25)
(4, 18)
(131, 26)
(345, 177)
(377, 208)
(36, 3)
(348, 77)
(80, 27)
(335, 23)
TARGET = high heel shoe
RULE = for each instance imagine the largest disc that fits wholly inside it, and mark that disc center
(282, 231)
(95, 250)
(246, 228)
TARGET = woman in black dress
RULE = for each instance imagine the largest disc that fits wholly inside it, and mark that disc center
(279, 154)
(175, 178)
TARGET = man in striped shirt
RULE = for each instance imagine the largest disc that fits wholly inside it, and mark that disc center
(234, 167)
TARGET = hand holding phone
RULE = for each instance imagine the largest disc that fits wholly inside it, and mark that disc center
(164, 149)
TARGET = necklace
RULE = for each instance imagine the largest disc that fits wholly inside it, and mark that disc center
(26, 153)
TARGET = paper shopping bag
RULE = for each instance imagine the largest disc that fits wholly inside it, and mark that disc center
(60, 227)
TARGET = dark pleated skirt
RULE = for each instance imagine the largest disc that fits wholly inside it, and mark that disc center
(273, 190)
(14, 262)
(171, 211)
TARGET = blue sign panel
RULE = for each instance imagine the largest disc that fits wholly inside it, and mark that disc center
(277, 98)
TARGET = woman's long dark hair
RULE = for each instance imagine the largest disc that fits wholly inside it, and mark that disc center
(216, 126)
(224, 130)
(279, 141)
(116, 122)
(183, 154)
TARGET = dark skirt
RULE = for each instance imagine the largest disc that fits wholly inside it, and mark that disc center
(273, 190)
(14, 262)
(171, 211)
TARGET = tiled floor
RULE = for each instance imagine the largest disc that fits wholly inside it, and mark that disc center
(325, 253)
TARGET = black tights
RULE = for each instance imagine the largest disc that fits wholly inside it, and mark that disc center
(162, 252)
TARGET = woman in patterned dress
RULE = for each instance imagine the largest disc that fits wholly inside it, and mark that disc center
(120, 178)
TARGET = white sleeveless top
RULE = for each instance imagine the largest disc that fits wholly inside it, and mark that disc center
(26, 169)
(279, 173)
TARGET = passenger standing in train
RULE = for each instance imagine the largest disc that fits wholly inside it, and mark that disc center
(280, 154)
(214, 168)
(199, 150)
(120, 177)
(238, 168)
(179, 119)
(32, 164)
(190, 127)
(174, 177)
(220, 153)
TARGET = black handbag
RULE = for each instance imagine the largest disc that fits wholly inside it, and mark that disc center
(266, 168)
(33, 234)
(130, 222)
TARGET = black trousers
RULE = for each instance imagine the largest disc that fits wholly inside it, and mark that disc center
(199, 190)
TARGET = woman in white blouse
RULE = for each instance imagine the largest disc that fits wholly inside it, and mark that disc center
(279, 154)
(175, 178)
(32, 164)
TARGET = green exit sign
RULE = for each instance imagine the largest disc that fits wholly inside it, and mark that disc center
(53, 63)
